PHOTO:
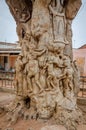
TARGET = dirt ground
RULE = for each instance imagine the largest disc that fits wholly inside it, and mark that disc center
(6, 98)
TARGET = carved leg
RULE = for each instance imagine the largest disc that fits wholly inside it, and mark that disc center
(37, 82)
(29, 84)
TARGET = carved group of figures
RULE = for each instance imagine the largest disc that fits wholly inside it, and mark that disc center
(40, 69)
(42, 63)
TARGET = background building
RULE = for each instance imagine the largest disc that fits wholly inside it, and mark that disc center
(8, 55)
(80, 56)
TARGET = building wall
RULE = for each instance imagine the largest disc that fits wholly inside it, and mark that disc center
(10, 62)
(2, 61)
(80, 56)
(12, 59)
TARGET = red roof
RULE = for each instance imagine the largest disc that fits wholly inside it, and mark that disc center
(83, 47)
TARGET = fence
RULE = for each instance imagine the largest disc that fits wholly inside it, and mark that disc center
(7, 80)
(7, 83)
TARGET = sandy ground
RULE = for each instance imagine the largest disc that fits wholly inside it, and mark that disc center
(6, 98)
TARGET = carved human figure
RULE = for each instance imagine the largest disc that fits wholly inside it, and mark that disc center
(76, 77)
(27, 46)
(68, 47)
(32, 71)
(25, 83)
(25, 14)
(21, 16)
(59, 21)
(56, 47)
(19, 76)
(68, 76)
(40, 25)
(55, 73)
(43, 76)
(32, 68)
(25, 49)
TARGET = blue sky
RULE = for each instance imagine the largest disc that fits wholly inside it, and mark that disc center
(79, 27)
(8, 25)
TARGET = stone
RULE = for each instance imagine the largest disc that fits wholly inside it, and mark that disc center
(9, 129)
(30, 129)
(53, 127)
(46, 76)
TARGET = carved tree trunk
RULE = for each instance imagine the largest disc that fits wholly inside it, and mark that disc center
(46, 77)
